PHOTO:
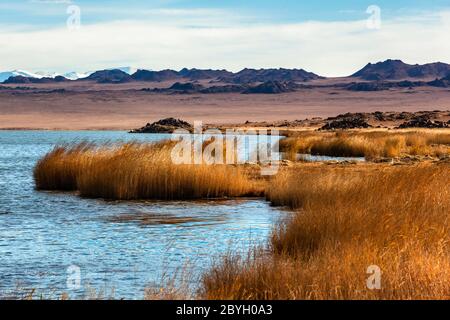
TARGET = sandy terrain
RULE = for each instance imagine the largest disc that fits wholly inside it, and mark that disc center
(97, 106)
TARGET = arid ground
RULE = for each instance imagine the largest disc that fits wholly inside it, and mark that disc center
(86, 105)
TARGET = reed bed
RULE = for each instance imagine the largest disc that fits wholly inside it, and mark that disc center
(346, 219)
(134, 171)
(369, 144)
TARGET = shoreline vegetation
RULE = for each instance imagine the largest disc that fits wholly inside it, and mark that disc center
(136, 171)
(371, 144)
(345, 217)
(345, 220)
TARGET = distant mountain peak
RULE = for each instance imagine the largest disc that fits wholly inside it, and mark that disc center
(110, 76)
(394, 69)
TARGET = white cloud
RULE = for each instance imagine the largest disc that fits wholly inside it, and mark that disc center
(180, 38)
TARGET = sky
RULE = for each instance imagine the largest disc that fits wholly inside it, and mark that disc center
(330, 38)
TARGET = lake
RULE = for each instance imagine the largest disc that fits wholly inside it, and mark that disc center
(116, 247)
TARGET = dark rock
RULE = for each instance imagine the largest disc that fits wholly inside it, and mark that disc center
(224, 89)
(246, 76)
(187, 87)
(440, 83)
(347, 121)
(272, 87)
(367, 86)
(199, 74)
(191, 74)
(383, 85)
(109, 76)
(155, 76)
(22, 79)
(424, 121)
(17, 79)
(168, 125)
(191, 88)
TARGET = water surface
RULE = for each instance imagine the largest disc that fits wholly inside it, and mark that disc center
(125, 246)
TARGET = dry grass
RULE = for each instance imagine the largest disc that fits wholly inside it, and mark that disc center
(370, 144)
(138, 171)
(349, 218)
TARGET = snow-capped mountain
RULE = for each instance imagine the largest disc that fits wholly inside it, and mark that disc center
(73, 75)
(5, 75)
(43, 74)
(76, 75)
(129, 70)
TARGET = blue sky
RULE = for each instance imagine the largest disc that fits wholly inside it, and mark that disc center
(49, 12)
(328, 37)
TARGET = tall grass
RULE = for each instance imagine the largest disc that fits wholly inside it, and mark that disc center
(347, 219)
(369, 144)
(137, 171)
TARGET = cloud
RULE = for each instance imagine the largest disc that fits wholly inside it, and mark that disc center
(197, 38)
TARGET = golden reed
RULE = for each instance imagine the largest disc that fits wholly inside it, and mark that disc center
(370, 144)
(347, 219)
(138, 171)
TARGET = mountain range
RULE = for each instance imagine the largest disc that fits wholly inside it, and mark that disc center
(388, 70)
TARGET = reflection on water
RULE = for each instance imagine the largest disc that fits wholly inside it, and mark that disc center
(120, 245)
(317, 158)
(156, 219)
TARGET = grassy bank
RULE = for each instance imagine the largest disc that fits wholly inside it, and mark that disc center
(138, 171)
(371, 144)
(347, 219)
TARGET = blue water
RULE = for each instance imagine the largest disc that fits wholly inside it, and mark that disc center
(44, 235)
(317, 158)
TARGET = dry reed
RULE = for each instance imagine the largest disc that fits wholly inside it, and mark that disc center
(369, 144)
(347, 219)
(138, 171)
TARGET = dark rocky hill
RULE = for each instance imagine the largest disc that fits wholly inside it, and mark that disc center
(109, 76)
(22, 79)
(265, 75)
(397, 70)
(272, 87)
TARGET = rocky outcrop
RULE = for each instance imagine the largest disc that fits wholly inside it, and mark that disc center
(367, 86)
(424, 121)
(384, 85)
(347, 121)
(187, 87)
(225, 89)
(168, 125)
(272, 87)
(178, 88)
(441, 83)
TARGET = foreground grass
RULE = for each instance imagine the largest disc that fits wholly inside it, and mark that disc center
(347, 219)
(371, 144)
(138, 171)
